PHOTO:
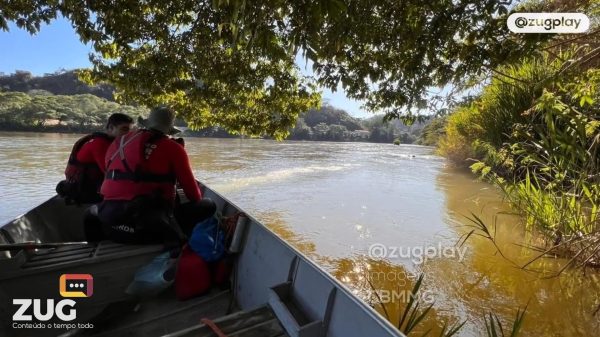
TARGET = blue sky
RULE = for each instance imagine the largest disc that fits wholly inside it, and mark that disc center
(57, 46)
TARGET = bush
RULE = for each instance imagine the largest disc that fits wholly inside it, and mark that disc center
(462, 130)
(433, 132)
(535, 132)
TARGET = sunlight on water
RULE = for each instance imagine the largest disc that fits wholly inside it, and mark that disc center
(333, 201)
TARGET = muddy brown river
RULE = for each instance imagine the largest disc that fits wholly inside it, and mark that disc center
(373, 215)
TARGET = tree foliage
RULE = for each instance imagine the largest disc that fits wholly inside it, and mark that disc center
(433, 131)
(231, 62)
(40, 110)
(329, 123)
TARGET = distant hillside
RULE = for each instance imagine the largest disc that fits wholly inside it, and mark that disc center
(331, 116)
(58, 83)
(40, 110)
(61, 102)
(393, 131)
(330, 123)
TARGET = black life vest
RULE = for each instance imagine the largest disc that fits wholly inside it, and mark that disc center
(77, 170)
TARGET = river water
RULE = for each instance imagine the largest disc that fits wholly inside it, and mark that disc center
(345, 205)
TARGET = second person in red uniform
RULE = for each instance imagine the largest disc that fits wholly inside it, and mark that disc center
(85, 169)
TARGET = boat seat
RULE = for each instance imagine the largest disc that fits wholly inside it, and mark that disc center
(260, 322)
(165, 314)
(69, 256)
(48, 257)
(85, 252)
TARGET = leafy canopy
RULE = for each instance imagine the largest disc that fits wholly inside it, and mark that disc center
(232, 62)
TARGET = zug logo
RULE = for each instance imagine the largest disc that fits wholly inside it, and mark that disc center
(76, 285)
(70, 285)
(51, 309)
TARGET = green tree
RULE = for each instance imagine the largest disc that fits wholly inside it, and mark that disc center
(321, 130)
(330, 115)
(10, 104)
(301, 130)
(231, 63)
(58, 83)
(433, 131)
(381, 134)
(405, 138)
(337, 132)
(535, 131)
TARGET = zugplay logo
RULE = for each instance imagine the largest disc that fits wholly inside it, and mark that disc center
(70, 285)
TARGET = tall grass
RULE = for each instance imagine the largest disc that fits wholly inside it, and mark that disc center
(413, 314)
(535, 132)
(494, 328)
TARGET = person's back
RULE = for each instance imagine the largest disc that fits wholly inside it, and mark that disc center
(142, 169)
(150, 164)
(85, 169)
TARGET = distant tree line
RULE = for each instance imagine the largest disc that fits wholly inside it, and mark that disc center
(40, 110)
(61, 102)
(332, 124)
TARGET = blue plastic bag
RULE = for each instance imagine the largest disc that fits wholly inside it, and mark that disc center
(150, 280)
(208, 240)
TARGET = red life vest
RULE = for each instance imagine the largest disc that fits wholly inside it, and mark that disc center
(86, 173)
(125, 164)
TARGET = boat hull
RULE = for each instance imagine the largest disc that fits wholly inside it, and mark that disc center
(315, 303)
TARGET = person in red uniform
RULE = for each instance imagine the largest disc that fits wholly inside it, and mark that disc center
(85, 169)
(142, 169)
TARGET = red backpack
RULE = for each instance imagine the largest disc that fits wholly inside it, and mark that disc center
(193, 276)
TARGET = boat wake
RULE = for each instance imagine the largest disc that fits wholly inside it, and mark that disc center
(235, 184)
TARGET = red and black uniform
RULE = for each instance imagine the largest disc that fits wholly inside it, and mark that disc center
(85, 169)
(139, 187)
(145, 162)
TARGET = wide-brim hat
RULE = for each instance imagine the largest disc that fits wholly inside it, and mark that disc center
(161, 118)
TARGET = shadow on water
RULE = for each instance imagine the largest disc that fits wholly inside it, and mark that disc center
(485, 281)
